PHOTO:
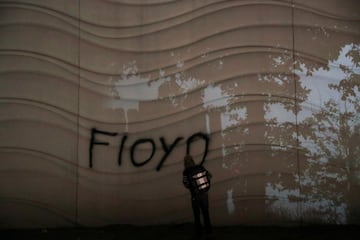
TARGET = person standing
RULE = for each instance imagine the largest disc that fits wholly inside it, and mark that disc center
(197, 179)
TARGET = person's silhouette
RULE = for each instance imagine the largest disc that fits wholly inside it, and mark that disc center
(197, 179)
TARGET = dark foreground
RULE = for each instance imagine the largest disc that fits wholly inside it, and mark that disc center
(186, 232)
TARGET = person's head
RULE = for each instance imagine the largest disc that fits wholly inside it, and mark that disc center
(189, 161)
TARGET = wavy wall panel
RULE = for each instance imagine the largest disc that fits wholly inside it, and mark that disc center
(39, 79)
(273, 84)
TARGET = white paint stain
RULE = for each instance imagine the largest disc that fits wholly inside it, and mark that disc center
(272, 79)
(180, 64)
(230, 202)
(125, 105)
(220, 64)
(217, 99)
(207, 121)
(130, 88)
(214, 97)
(277, 111)
(187, 84)
(232, 117)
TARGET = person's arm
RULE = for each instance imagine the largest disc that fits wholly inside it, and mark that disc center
(186, 181)
(209, 174)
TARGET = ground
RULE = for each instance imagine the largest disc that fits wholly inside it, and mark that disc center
(186, 232)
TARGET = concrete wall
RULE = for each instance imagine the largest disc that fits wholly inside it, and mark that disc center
(273, 86)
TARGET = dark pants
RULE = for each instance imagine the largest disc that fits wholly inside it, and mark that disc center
(200, 203)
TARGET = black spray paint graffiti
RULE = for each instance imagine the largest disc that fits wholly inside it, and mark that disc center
(166, 148)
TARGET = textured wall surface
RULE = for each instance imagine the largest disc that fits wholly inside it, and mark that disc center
(275, 85)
